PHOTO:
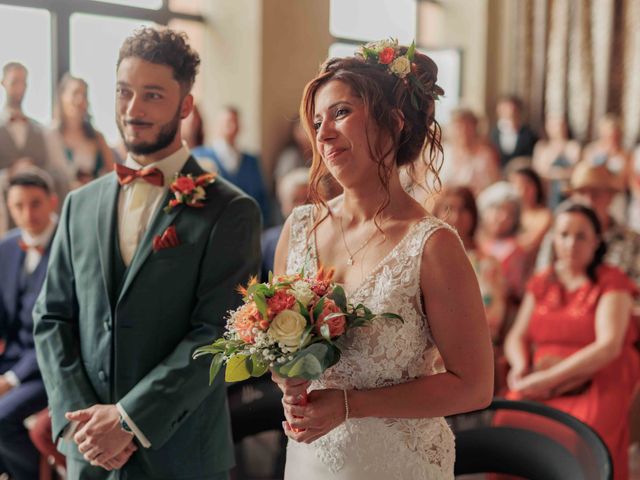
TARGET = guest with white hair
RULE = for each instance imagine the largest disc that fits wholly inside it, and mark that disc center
(500, 210)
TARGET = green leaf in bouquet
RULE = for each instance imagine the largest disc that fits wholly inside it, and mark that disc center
(261, 305)
(216, 347)
(270, 277)
(311, 362)
(358, 322)
(338, 296)
(317, 309)
(237, 370)
(256, 367)
(325, 332)
(214, 368)
(303, 311)
(306, 336)
(391, 315)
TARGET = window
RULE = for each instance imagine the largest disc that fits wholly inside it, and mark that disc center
(28, 31)
(360, 21)
(83, 37)
(95, 41)
(151, 4)
(366, 20)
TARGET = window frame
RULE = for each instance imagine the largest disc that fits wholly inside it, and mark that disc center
(61, 11)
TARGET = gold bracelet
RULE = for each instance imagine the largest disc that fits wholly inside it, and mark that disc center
(346, 405)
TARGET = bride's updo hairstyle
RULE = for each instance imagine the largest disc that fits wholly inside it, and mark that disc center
(389, 79)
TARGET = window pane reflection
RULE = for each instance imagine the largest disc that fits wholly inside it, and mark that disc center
(449, 65)
(95, 42)
(150, 4)
(25, 34)
(191, 7)
(373, 19)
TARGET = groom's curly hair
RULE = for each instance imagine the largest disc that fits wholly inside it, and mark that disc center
(164, 47)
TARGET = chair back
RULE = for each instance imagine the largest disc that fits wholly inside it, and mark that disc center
(530, 440)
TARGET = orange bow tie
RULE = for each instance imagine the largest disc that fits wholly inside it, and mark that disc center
(127, 175)
(25, 248)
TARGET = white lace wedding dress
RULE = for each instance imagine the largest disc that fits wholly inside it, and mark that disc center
(387, 352)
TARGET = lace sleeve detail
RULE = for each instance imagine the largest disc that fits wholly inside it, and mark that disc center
(299, 244)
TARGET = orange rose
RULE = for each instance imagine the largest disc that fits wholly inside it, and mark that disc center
(336, 325)
(184, 184)
(386, 56)
(279, 302)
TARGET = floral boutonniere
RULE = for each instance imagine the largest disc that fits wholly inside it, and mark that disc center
(189, 191)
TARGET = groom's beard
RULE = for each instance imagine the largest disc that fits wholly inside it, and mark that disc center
(165, 136)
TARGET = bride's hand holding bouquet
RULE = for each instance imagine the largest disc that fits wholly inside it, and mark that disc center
(291, 325)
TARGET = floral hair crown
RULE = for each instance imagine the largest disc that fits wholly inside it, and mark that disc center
(387, 54)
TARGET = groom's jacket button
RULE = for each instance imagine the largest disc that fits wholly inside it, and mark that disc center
(102, 376)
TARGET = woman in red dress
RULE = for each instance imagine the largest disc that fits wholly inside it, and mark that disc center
(571, 346)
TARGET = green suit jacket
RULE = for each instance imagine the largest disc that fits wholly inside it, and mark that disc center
(132, 343)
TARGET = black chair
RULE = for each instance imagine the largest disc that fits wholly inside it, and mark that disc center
(529, 440)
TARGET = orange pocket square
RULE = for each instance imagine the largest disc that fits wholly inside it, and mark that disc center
(168, 239)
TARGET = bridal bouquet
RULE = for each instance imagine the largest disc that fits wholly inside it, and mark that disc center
(291, 324)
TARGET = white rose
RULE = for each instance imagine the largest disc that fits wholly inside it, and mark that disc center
(401, 66)
(199, 193)
(287, 327)
(302, 292)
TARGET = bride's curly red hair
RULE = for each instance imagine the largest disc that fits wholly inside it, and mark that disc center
(383, 95)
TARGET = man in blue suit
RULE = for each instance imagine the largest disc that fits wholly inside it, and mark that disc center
(24, 253)
(240, 168)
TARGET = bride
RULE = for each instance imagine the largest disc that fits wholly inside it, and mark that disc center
(378, 413)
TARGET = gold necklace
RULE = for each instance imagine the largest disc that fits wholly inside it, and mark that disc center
(350, 261)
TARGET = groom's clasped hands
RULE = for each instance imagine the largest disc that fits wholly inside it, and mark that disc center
(309, 416)
(100, 437)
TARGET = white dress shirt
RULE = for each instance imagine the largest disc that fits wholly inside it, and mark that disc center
(508, 136)
(155, 195)
(18, 129)
(228, 156)
(33, 256)
(169, 166)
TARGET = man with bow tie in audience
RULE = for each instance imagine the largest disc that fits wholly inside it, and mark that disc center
(24, 253)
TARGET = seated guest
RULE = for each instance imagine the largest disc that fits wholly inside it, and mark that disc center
(596, 186)
(500, 207)
(555, 157)
(511, 136)
(470, 161)
(86, 150)
(292, 190)
(240, 168)
(24, 254)
(296, 154)
(535, 217)
(41, 435)
(608, 149)
(571, 346)
(457, 207)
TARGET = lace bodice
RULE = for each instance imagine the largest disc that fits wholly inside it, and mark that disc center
(386, 352)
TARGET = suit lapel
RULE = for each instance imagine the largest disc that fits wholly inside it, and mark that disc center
(160, 223)
(106, 222)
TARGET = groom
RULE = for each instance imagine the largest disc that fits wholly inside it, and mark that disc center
(132, 290)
